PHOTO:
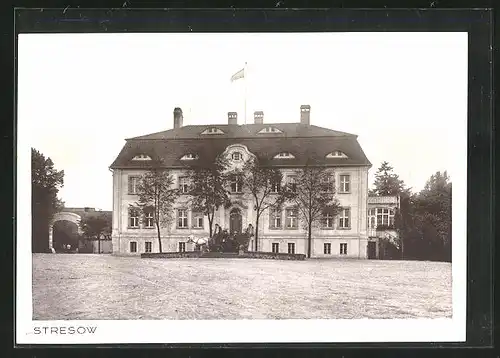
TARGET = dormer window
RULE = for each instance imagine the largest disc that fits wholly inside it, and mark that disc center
(236, 156)
(284, 155)
(270, 130)
(189, 156)
(142, 157)
(336, 154)
(212, 130)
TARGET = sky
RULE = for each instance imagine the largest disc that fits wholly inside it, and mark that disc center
(81, 95)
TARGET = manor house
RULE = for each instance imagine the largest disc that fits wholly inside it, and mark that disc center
(285, 145)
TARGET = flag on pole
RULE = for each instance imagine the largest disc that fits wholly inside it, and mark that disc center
(238, 75)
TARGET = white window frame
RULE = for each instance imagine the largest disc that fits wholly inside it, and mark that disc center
(148, 246)
(292, 219)
(236, 184)
(345, 213)
(182, 219)
(277, 246)
(133, 182)
(327, 248)
(236, 156)
(275, 219)
(386, 216)
(149, 222)
(133, 220)
(345, 185)
(343, 248)
(328, 221)
(291, 245)
(291, 181)
(130, 246)
(275, 187)
(183, 184)
(198, 220)
(182, 246)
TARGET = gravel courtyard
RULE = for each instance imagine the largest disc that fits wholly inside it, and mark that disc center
(79, 286)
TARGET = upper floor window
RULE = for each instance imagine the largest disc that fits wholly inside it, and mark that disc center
(189, 156)
(329, 183)
(236, 184)
(212, 130)
(182, 218)
(291, 218)
(275, 186)
(336, 154)
(141, 157)
(148, 219)
(133, 218)
(236, 156)
(270, 130)
(275, 218)
(328, 220)
(345, 183)
(291, 181)
(183, 185)
(133, 182)
(284, 155)
(345, 218)
(385, 217)
(197, 220)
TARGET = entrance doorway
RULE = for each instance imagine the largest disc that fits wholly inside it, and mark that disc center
(235, 224)
(372, 250)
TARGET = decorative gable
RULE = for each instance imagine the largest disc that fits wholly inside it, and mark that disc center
(141, 157)
(284, 155)
(336, 154)
(269, 130)
(213, 130)
(189, 156)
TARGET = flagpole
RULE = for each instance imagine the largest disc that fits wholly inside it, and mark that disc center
(246, 79)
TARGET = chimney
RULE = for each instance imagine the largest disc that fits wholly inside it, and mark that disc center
(178, 117)
(305, 114)
(258, 117)
(232, 118)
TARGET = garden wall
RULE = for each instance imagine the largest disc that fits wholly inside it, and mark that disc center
(227, 255)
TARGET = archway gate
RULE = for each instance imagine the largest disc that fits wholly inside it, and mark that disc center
(60, 216)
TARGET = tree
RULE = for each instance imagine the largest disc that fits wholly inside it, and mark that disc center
(157, 196)
(314, 196)
(387, 183)
(433, 207)
(208, 188)
(264, 185)
(95, 225)
(45, 184)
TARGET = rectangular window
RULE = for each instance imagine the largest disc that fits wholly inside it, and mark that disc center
(275, 218)
(345, 183)
(133, 182)
(275, 186)
(345, 218)
(328, 220)
(291, 218)
(291, 181)
(182, 247)
(149, 220)
(343, 249)
(236, 184)
(133, 246)
(183, 185)
(329, 183)
(182, 219)
(148, 246)
(291, 248)
(133, 218)
(276, 247)
(327, 248)
(385, 217)
(197, 221)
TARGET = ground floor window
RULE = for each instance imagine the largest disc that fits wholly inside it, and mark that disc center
(343, 249)
(291, 248)
(133, 246)
(182, 246)
(327, 248)
(149, 246)
(276, 247)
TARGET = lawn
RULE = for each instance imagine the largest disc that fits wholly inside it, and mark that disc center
(80, 286)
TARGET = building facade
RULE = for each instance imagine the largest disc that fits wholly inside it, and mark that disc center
(287, 146)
